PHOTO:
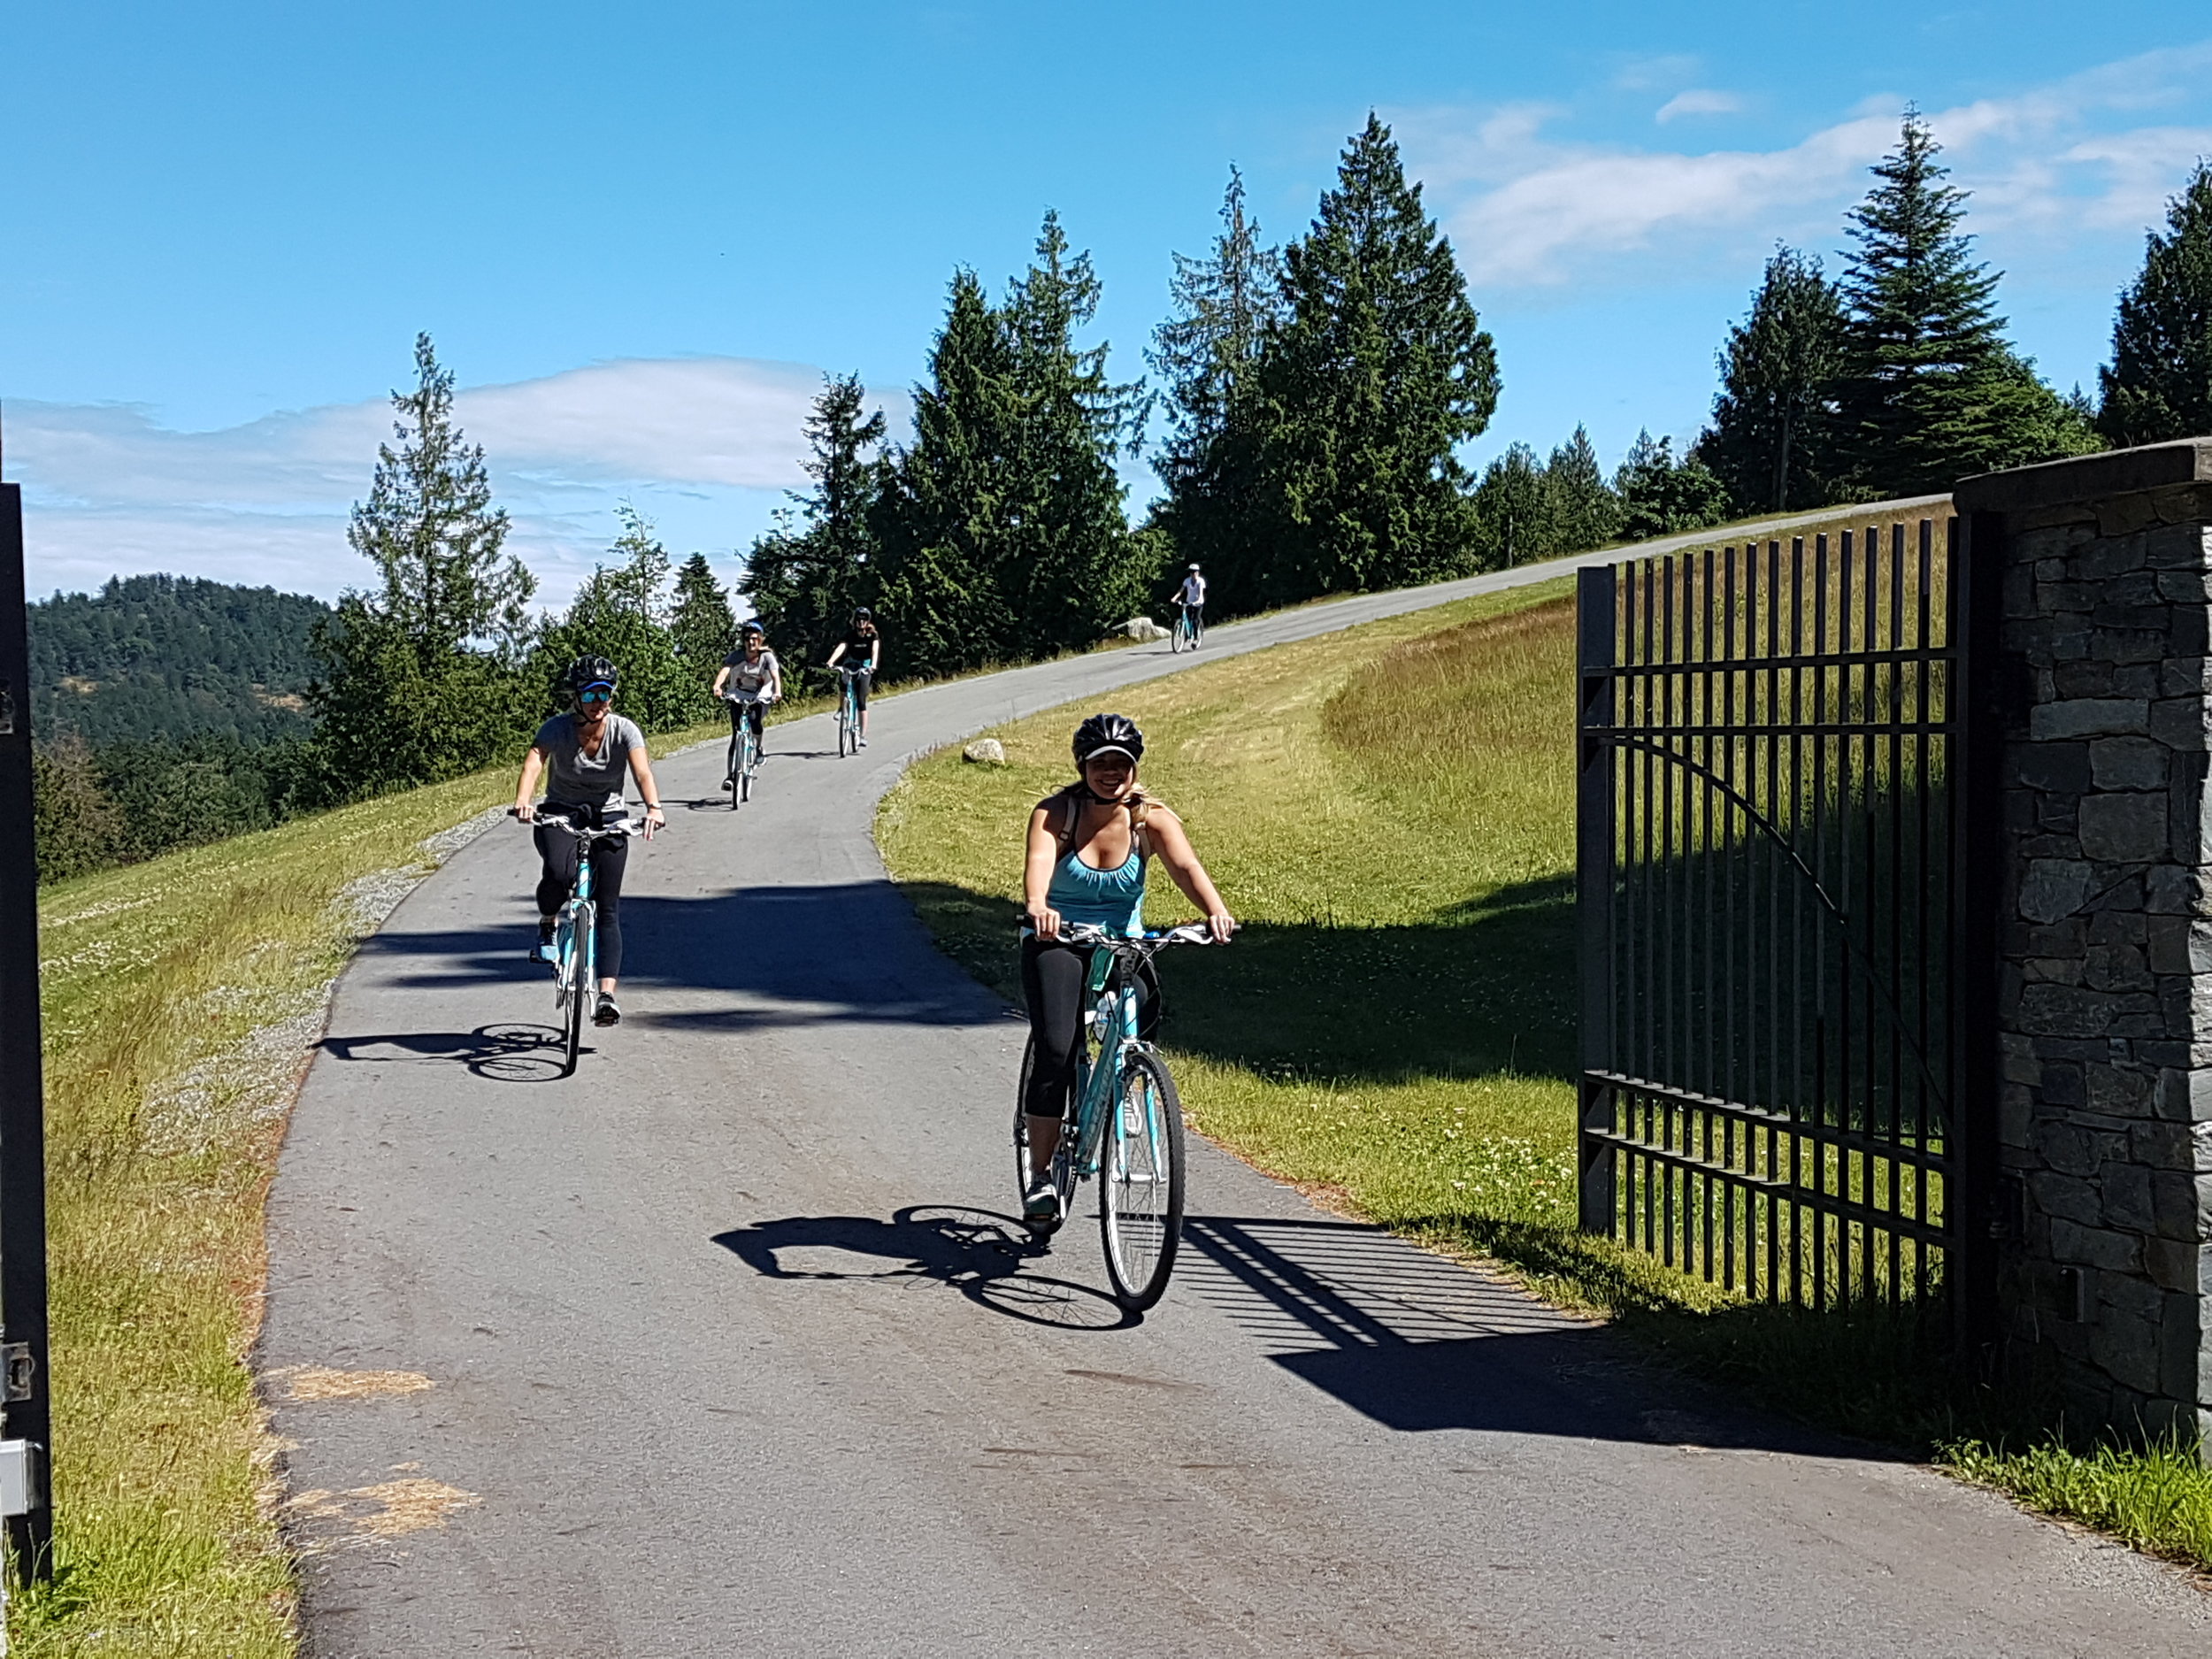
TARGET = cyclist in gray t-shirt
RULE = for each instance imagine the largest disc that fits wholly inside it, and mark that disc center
(583, 756)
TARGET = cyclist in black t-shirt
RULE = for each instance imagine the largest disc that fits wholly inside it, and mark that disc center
(864, 646)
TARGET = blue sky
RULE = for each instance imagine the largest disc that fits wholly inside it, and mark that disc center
(640, 232)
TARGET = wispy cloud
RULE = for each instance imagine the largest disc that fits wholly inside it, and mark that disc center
(706, 444)
(1529, 204)
(1698, 100)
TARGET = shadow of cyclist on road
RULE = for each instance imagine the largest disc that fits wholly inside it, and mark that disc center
(982, 1255)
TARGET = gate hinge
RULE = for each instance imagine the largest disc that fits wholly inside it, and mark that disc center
(17, 1372)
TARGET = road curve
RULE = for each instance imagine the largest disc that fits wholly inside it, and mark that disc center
(724, 1346)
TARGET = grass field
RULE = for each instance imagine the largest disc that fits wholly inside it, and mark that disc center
(1390, 809)
(182, 999)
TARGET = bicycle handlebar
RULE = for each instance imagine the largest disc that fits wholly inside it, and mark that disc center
(554, 821)
(1091, 933)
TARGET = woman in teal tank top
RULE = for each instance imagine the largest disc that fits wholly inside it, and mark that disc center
(1089, 847)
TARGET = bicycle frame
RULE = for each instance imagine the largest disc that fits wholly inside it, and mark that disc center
(1113, 1005)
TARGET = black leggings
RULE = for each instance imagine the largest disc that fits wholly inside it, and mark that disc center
(860, 687)
(609, 858)
(755, 711)
(1055, 978)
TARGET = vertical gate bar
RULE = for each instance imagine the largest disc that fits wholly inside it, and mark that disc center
(1671, 906)
(1596, 620)
(1799, 1093)
(1922, 985)
(1731, 1079)
(1895, 889)
(1777, 1097)
(1653, 991)
(1706, 861)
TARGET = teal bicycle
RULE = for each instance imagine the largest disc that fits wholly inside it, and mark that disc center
(1189, 631)
(575, 960)
(1128, 1121)
(744, 760)
(848, 709)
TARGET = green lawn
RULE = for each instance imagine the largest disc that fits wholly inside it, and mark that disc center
(1391, 810)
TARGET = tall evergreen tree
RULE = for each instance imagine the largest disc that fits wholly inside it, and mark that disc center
(621, 613)
(2159, 384)
(944, 518)
(804, 578)
(701, 623)
(1002, 527)
(422, 678)
(1585, 513)
(1513, 507)
(1378, 372)
(1930, 392)
(1773, 421)
(1207, 354)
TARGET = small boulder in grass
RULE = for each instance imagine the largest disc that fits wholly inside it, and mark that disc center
(985, 751)
(1143, 629)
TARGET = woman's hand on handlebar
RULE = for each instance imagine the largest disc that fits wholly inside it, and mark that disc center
(525, 812)
(1046, 920)
(655, 820)
(1222, 926)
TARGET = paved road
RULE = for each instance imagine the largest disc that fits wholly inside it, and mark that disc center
(725, 1347)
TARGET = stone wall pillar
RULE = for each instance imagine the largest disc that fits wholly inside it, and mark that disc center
(2104, 1003)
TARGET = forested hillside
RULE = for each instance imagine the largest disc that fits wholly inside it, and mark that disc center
(152, 658)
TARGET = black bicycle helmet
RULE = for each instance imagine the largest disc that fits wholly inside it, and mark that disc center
(590, 670)
(1102, 732)
(861, 613)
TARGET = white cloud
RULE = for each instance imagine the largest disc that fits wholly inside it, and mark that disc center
(1528, 208)
(705, 445)
(1698, 100)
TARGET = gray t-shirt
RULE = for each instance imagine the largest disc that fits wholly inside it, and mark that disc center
(573, 777)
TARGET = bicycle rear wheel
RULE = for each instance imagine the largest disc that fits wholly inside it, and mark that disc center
(582, 962)
(1141, 1183)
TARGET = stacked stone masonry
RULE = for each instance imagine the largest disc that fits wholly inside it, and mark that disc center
(2105, 1001)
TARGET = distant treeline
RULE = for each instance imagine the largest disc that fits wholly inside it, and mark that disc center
(150, 657)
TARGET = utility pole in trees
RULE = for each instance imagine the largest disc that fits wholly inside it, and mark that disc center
(25, 1423)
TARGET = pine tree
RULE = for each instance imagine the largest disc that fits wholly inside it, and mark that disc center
(1207, 353)
(700, 622)
(1002, 525)
(2159, 385)
(1513, 505)
(1930, 392)
(1585, 511)
(1075, 570)
(806, 575)
(1773, 421)
(422, 680)
(619, 613)
(943, 516)
(1660, 496)
(1378, 372)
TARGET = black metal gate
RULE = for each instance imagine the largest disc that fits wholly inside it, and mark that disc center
(1771, 780)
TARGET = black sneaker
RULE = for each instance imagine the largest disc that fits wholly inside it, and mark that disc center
(542, 951)
(727, 785)
(608, 1013)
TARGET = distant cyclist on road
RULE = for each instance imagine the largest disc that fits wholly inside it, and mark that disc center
(582, 755)
(754, 678)
(1089, 846)
(1192, 597)
(864, 646)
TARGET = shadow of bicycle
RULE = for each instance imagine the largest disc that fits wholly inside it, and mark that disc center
(985, 1256)
(517, 1053)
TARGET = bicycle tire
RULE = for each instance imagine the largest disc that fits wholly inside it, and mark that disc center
(1141, 1238)
(748, 759)
(582, 959)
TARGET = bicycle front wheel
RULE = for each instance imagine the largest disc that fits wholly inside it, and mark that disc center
(748, 759)
(1141, 1198)
(582, 962)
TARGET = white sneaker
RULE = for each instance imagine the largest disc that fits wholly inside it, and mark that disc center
(1041, 1204)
